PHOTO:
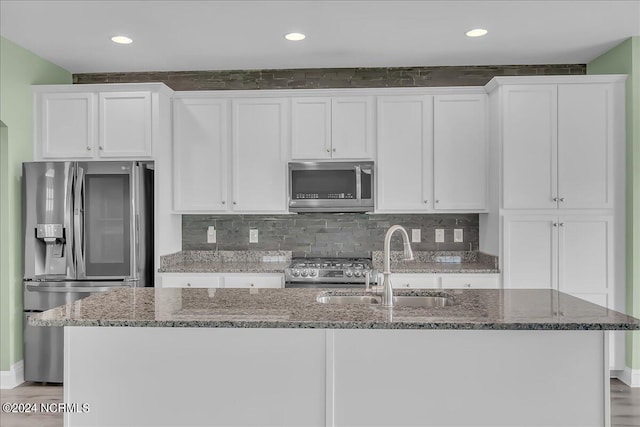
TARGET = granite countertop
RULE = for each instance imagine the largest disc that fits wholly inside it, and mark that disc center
(277, 261)
(297, 308)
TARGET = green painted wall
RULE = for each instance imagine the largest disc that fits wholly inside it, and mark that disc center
(625, 59)
(19, 69)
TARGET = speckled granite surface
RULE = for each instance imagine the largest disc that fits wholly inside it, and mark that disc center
(297, 308)
(427, 262)
(225, 262)
(254, 262)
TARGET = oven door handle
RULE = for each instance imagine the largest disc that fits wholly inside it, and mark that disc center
(71, 289)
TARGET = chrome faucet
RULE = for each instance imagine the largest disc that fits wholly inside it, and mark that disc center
(387, 289)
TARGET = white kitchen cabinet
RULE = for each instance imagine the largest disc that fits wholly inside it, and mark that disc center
(557, 146)
(413, 281)
(405, 153)
(94, 122)
(259, 140)
(125, 124)
(222, 280)
(460, 152)
(200, 154)
(572, 254)
(470, 281)
(199, 280)
(246, 280)
(332, 128)
(65, 125)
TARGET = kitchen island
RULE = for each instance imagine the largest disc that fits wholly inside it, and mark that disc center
(262, 357)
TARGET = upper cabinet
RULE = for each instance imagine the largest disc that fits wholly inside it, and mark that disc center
(229, 156)
(460, 152)
(332, 128)
(432, 153)
(405, 153)
(557, 146)
(96, 121)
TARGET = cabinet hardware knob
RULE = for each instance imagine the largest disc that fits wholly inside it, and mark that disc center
(334, 150)
(235, 203)
(100, 147)
(555, 199)
(251, 285)
(437, 201)
(188, 284)
(555, 224)
(426, 201)
(562, 224)
(223, 202)
(88, 148)
(468, 285)
(328, 150)
(562, 199)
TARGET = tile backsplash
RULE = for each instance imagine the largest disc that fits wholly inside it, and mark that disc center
(325, 234)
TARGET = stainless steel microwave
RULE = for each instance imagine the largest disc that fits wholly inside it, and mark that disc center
(331, 186)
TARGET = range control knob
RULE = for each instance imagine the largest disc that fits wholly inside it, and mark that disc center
(357, 273)
(312, 273)
(304, 273)
(348, 273)
(295, 273)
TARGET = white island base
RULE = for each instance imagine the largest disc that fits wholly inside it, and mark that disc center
(172, 376)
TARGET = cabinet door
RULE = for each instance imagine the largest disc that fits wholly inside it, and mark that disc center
(529, 151)
(67, 128)
(200, 155)
(412, 281)
(264, 280)
(311, 128)
(125, 124)
(460, 152)
(584, 252)
(530, 252)
(259, 166)
(352, 128)
(405, 153)
(585, 157)
(470, 281)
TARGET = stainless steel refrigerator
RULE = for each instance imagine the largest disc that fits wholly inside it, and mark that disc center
(87, 228)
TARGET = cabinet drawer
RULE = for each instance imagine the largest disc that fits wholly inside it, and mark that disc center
(413, 281)
(464, 281)
(180, 281)
(261, 281)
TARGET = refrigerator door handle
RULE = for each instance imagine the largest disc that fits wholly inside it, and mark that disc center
(78, 226)
(91, 289)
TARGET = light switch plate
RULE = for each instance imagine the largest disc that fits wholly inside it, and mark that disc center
(457, 235)
(211, 234)
(253, 235)
(439, 235)
(415, 235)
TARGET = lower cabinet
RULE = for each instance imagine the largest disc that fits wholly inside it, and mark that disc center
(445, 281)
(572, 254)
(222, 280)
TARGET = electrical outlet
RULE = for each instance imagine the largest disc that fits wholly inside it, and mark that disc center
(415, 235)
(457, 235)
(439, 235)
(211, 234)
(253, 235)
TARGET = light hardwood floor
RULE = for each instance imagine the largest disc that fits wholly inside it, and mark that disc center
(625, 405)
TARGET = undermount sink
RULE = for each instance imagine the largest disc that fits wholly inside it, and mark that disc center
(400, 300)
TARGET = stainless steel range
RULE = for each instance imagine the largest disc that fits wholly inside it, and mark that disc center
(328, 272)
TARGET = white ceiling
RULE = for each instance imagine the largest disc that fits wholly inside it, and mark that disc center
(240, 34)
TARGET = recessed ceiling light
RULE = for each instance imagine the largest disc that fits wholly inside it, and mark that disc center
(295, 37)
(121, 40)
(478, 32)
